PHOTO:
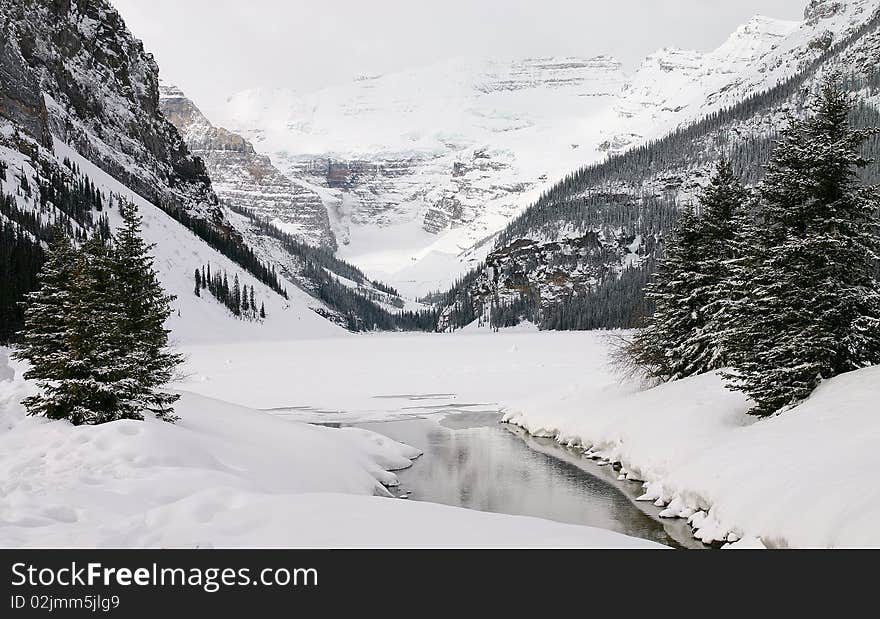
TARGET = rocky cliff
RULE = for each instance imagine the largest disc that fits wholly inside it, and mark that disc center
(243, 177)
(71, 68)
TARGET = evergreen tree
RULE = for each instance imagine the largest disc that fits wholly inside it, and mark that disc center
(236, 296)
(72, 338)
(656, 347)
(813, 307)
(147, 307)
(45, 325)
(725, 227)
(686, 336)
(98, 377)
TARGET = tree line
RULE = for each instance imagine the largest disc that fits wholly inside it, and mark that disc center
(65, 204)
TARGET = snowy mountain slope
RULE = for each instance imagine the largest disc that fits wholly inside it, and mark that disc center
(423, 164)
(75, 80)
(98, 91)
(257, 201)
(179, 252)
(420, 169)
(241, 176)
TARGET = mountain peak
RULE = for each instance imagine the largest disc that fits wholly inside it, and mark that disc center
(169, 91)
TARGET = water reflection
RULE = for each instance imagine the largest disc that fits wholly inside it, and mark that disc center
(472, 461)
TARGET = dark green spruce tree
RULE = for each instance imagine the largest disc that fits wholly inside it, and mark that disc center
(146, 308)
(812, 308)
(98, 377)
(684, 337)
(43, 339)
(725, 226)
(654, 346)
(94, 331)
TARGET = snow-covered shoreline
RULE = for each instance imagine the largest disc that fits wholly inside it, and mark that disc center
(803, 479)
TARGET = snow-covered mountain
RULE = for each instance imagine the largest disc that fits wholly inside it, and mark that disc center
(245, 178)
(422, 164)
(81, 129)
(419, 169)
(565, 262)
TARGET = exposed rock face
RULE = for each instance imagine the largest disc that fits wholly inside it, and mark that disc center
(245, 178)
(101, 93)
(20, 97)
(822, 9)
(554, 269)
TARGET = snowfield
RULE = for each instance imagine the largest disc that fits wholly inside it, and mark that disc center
(802, 479)
(228, 476)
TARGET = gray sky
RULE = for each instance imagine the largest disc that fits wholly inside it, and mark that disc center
(213, 48)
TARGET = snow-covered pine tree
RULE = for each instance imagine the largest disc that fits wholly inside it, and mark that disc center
(683, 337)
(813, 308)
(146, 309)
(725, 223)
(235, 302)
(675, 317)
(99, 378)
(46, 309)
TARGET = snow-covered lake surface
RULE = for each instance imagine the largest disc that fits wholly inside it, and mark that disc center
(802, 479)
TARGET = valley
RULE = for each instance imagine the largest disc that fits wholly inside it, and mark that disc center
(406, 304)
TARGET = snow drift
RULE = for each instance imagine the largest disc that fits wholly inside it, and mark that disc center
(803, 479)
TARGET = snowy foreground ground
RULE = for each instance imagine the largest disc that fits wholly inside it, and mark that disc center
(803, 479)
(241, 469)
(230, 476)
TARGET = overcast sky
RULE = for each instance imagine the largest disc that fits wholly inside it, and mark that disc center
(213, 48)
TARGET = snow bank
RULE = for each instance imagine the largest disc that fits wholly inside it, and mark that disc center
(228, 476)
(806, 478)
(92, 486)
